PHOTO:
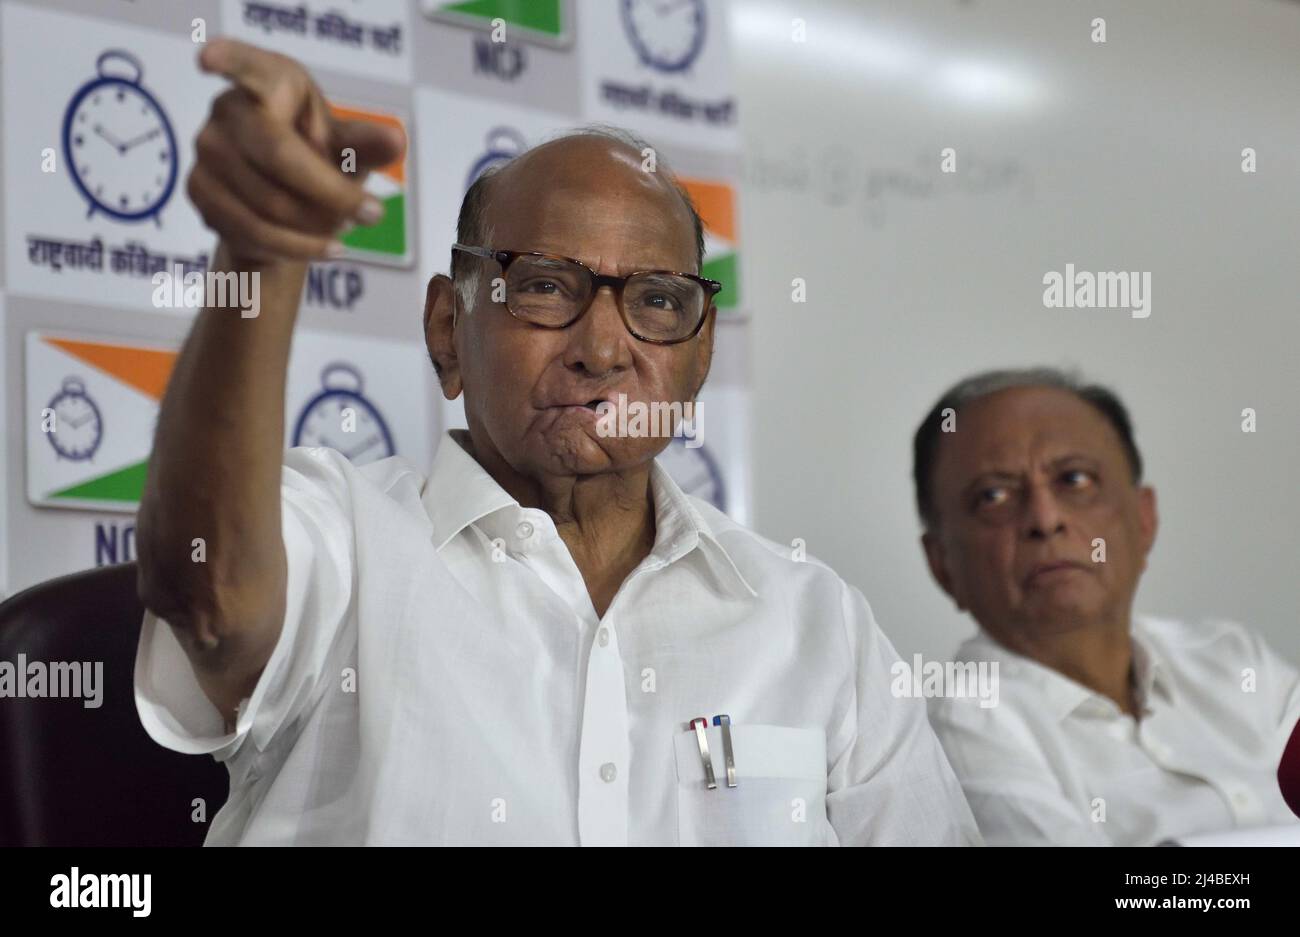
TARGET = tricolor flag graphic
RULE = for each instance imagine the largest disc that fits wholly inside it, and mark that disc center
(716, 203)
(389, 241)
(91, 410)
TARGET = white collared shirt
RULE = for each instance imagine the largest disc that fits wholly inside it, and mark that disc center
(442, 677)
(1056, 763)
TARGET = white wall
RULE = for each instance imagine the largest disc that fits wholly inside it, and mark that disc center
(1117, 156)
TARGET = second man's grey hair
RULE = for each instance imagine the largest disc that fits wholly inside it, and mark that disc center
(925, 444)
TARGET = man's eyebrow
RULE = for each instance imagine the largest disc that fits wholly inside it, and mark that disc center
(662, 274)
(988, 475)
(622, 270)
(998, 472)
(549, 262)
(1075, 457)
(993, 465)
(630, 268)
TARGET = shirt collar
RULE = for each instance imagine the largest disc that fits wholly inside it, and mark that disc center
(1062, 696)
(1150, 669)
(460, 492)
(681, 528)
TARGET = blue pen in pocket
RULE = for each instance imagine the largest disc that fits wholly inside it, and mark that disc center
(725, 722)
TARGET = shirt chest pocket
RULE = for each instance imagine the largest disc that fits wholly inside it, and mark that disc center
(780, 793)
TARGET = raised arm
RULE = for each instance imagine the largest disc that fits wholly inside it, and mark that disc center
(267, 179)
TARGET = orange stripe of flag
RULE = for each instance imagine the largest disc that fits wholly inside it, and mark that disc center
(145, 369)
(397, 168)
(716, 203)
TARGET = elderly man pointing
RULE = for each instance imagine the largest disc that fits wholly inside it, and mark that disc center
(542, 639)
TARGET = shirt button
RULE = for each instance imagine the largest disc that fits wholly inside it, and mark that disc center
(608, 772)
(603, 636)
(524, 530)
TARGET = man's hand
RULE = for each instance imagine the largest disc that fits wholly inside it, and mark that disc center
(268, 176)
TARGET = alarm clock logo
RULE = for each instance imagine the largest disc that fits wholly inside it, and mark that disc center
(503, 145)
(325, 422)
(666, 34)
(118, 143)
(695, 471)
(78, 425)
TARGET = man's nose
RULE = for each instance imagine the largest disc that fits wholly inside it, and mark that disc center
(1043, 515)
(598, 342)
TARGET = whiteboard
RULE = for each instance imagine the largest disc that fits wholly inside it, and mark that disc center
(1123, 155)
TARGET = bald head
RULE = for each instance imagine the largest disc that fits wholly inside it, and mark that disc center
(569, 171)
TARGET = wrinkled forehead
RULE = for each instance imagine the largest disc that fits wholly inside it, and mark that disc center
(1024, 427)
(593, 203)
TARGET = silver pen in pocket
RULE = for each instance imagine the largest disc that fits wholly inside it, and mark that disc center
(699, 724)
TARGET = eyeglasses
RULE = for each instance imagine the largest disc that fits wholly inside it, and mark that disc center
(660, 306)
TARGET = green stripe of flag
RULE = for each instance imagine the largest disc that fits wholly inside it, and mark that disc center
(723, 269)
(544, 16)
(386, 237)
(124, 485)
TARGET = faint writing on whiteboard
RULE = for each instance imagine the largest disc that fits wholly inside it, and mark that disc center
(841, 178)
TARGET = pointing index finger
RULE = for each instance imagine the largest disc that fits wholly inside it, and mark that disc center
(257, 71)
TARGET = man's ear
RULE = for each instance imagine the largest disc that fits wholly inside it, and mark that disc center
(440, 301)
(936, 559)
(704, 348)
(1148, 520)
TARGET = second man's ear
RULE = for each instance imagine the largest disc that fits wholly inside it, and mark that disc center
(440, 321)
(1149, 518)
(935, 559)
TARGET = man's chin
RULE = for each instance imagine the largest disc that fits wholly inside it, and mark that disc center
(1060, 613)
(580, 450)
(1064, 623)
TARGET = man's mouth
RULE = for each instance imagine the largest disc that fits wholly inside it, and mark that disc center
(1044, 572)
(593, 404)
(583, 407)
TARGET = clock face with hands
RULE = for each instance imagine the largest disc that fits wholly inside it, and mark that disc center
(78, 425)
(118, 143)
(667, 34)
(324, 420)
